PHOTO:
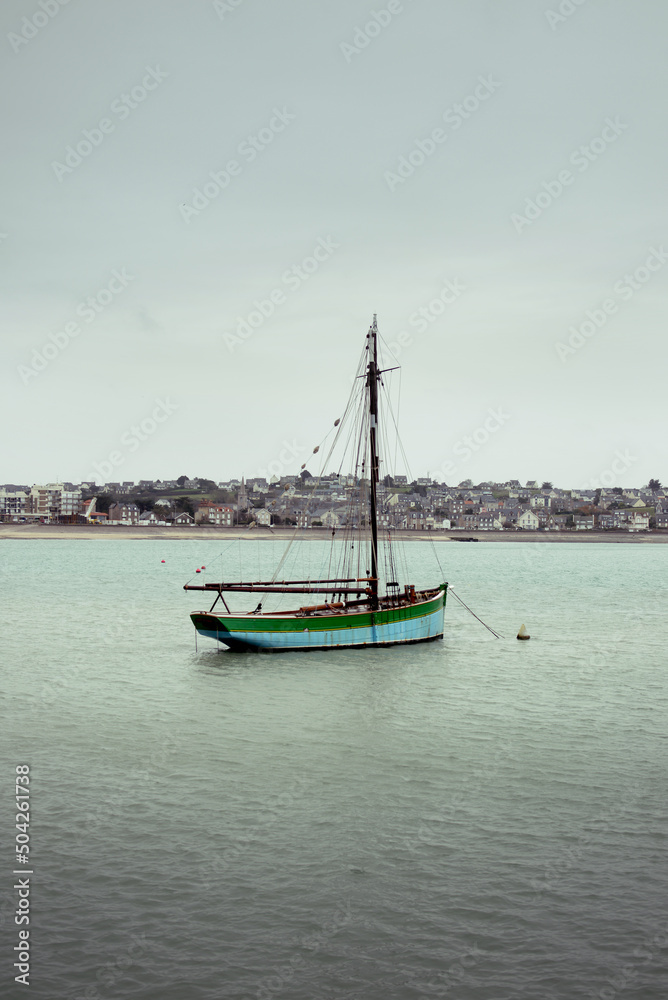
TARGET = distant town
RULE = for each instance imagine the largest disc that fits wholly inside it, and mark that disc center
(333, 502)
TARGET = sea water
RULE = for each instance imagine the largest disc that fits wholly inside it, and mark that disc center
(473, 818)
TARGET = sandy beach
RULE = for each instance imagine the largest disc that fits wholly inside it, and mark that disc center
(106, 532)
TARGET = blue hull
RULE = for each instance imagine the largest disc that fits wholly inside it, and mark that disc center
(422, 628)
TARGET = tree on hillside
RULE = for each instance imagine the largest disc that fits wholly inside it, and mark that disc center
(304, 475)
(103, 502)
(206, 484)
(181, 480)
(185, 504)
(654, 485)
(617, 490)
(546, 486)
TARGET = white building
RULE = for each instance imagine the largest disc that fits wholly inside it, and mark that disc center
(528, 520)
(13, 506)
(53, 502)
(149, 517)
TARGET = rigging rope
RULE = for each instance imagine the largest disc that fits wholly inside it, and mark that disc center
(351, 429)
(232, 541)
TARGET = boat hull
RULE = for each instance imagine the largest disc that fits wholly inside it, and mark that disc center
(419, 622)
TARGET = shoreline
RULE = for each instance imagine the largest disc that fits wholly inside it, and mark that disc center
(135, 532)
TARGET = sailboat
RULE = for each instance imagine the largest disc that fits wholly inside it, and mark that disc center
(356, 608)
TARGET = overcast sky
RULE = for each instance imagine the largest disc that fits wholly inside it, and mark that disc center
(488, 177)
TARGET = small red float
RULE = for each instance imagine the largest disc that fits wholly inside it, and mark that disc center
(198, 570)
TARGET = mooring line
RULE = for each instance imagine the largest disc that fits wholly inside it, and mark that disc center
(497, 635)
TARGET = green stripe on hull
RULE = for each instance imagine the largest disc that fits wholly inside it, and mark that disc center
(207, 622)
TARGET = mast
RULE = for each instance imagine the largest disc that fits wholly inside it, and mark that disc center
(372, 383)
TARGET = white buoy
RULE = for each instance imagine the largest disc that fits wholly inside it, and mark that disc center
(523, 634)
